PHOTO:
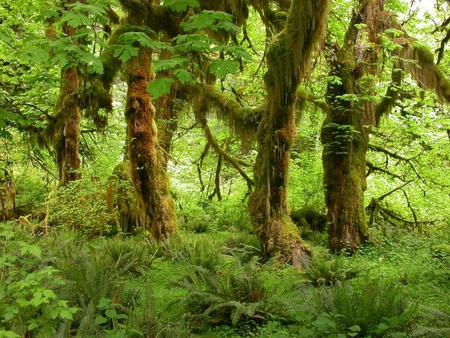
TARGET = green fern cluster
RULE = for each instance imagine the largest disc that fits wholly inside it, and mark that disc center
(323, 270)
(230, 297)
(377, 307)
(199, 250)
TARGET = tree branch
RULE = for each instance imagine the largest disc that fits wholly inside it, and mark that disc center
(213, 142)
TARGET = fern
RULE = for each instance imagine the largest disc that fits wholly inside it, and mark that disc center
(227, 297)
(322, 271)
(429, 332)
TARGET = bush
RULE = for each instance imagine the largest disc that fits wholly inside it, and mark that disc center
(82, 205)
(377, 307)
(29, 304)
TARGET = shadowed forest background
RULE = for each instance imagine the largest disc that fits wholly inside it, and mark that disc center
(238, 168)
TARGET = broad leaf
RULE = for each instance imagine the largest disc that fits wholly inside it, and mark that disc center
(184, 76)
(224, 67)
(213, 20)
(174, 62)
(181, 5)
(160, 87)
(125, 52)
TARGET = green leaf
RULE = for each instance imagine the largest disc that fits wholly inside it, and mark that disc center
(66, 314)
(194, 43)
(181, 5)
(213, 20)
(103, 302)
(49, 294)
(6, 35)
(222, 68)
(142, 39)
(31, 249)
(125, 52)
(111, 313)
(184, 76)
(75, 19)
(173, 62)
(8, 334)
(160, 87)
(381, 328)
(60, 60)
(97, 8)
(305, 332)
(355, 328)
(99, 320)
(235, 51)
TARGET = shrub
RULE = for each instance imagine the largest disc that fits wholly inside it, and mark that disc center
(243, 246)
(29, 304)
(82, 205)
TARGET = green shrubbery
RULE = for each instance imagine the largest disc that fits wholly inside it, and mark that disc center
(29, 300)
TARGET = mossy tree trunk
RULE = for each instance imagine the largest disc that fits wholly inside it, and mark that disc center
(345, 131)
(288, 58)
(67, 153)
(149, 176)
(68, 116)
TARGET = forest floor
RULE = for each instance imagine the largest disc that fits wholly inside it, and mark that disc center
(213, 284)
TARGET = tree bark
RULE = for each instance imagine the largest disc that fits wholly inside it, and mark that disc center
(68, 114)
(149, 177)
(288, 58)
(345, 131)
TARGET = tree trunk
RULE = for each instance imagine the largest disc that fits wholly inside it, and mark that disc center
(67, 154)
(68, 114)
(345, 131)
(149, 177)
(345, 140)
(288, 58)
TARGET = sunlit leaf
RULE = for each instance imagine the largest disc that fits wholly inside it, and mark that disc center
(181, 5)
(184, 76)
(222, 68)
(174, 62)
(160, 87)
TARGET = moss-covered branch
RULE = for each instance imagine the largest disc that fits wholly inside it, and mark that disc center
(243, 121)
(227, 157)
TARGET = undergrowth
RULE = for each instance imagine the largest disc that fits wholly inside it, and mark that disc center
(215, 285)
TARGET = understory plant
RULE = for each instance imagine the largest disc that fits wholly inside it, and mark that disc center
(29, 300)
(375, 308)
(324, 269)
(234, 296)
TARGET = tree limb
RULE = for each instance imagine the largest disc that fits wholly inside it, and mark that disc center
(213, 142)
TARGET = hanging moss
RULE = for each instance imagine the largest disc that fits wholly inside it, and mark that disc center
(242, 121)
(94, 98)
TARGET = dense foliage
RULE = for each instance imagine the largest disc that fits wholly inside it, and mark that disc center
(230, 168)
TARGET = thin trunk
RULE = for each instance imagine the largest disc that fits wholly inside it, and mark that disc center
(68, 114)
(268, 204)
(167, 111)
(67, 154)
(149, 177)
